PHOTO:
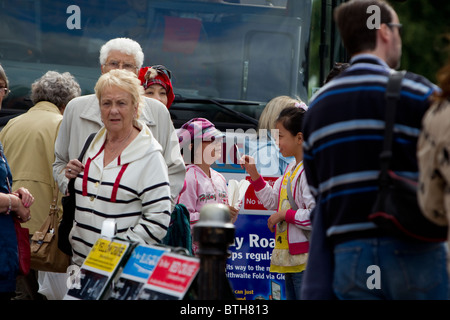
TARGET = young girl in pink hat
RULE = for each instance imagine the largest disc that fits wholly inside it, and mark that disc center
(201, 144)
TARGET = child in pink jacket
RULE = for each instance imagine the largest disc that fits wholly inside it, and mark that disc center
(201, 144)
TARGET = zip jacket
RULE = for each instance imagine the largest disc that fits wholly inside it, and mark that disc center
(297, 220)
(200, 189)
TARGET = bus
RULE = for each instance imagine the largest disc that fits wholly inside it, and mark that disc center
(228, 59)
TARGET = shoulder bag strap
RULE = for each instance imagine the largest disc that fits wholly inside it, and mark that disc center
(289, 195)
(53, 212)
(54, 204)
(86, 145)
(392, 96)
(70, 186)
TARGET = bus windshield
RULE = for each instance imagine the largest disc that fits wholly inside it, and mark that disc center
(228, 58)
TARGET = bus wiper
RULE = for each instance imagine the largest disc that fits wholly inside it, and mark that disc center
(221, 104)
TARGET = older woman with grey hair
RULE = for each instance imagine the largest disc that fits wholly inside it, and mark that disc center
(29, 140)
(29, 145)
(55, 88)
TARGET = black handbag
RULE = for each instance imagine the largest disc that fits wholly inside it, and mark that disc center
(396, 209)
(68, 205)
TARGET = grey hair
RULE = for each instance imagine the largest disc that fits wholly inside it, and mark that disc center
(124, 45)
(56, 88)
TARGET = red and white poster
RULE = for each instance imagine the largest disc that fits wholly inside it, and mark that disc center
(251, 201)
(171, 278)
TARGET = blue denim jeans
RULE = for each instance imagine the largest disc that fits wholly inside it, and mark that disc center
(293, 284)
(389, 268)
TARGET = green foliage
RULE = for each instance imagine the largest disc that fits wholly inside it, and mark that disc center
(425, 35)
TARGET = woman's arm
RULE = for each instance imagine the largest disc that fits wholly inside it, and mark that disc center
(17, 203)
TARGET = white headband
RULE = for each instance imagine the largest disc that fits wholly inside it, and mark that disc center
(301, 105)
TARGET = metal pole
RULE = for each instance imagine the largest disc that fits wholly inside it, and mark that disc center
(214, 233)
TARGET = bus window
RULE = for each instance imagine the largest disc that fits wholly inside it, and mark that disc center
(228, 58)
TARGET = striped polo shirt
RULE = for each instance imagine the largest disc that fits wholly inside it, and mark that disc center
(344, 132)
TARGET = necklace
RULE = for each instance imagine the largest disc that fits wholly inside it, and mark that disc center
(117, 149)
(124, 139)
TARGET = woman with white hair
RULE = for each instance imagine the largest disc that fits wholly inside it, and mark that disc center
(123, 175)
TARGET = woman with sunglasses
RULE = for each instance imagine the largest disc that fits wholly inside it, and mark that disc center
(13, 205)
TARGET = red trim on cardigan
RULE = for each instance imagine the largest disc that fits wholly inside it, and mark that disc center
(117, 182)
(86, 171)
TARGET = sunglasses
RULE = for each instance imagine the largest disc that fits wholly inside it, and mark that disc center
(395, 25)
(164, 70)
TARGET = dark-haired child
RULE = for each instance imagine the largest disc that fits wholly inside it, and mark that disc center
(291, 198)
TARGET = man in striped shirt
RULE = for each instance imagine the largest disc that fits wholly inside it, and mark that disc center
(344, 132)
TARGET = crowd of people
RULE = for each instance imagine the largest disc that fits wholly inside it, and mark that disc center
(138, 168)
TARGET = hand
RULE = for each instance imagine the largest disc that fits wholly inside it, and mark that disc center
(73, 168)
(25, 196)
(275, 218)
(248, 163)
(22, 212)
(234, 213)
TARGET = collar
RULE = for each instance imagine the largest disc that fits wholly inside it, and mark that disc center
(198, 169)
(142, 145)
(91, 110)
(368, 58)
(46, 106)
(146, 110)
(292, 170)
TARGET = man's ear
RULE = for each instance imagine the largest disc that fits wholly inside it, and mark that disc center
(384, 32)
